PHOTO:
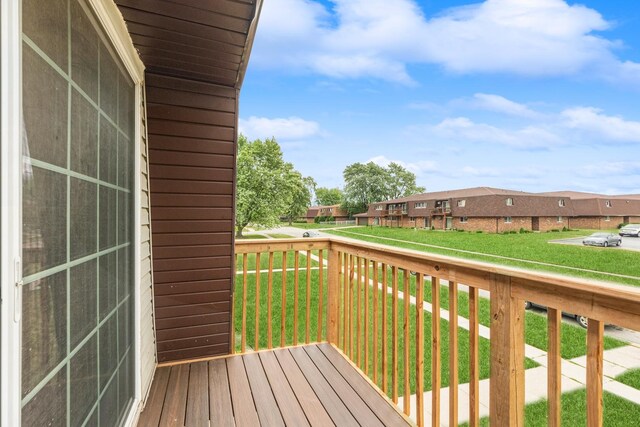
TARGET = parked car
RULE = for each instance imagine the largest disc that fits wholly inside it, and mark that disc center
(630, 230)
(602, 239)
(311, 233)
(582, 320)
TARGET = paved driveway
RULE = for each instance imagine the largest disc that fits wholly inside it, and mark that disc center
(628, 243)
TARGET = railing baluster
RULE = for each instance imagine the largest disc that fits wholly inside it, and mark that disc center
(474, 367)
(385, 384)
(435, 351)
(269, 302)
(308, 309)
(394, 334)
(595, 341)
(358, 314)
(453, 353)
(296, 285)
(554, 373)
(366, 316)
(243, 345)
(345, 298)
(375, 322)
(407, 388)
(351, 264)
(334, 273)
(256, 345)
(283, 311)
(419, 350)
(320, 294)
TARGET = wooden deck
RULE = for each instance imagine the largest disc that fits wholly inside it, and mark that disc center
(311, 385)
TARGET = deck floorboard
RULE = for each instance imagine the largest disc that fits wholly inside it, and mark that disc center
(310, 385)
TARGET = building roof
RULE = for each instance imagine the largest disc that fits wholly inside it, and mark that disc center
(456, 194)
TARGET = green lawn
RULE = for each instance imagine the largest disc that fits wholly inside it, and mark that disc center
(279, 236)
(252, 236)
(532, 247)
(630, 378)
(315, 226)
(617, 412)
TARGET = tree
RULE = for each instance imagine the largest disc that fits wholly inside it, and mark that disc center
(363, 184)
(300, 190)
(264, 185)
(370, 183)
(401, 182)
(328, 196)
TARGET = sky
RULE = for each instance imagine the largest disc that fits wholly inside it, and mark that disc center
(531, 95)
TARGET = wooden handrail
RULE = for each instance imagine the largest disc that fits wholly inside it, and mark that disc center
(359, 277)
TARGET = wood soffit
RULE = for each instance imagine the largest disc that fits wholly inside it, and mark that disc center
(202, 40)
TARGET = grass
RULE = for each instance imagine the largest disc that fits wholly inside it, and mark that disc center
(252, 236)
(630, 378)
(617, 412)
(279, 236)
(315, 226)
(522, 247)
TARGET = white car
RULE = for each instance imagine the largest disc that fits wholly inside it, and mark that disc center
(602, 239)
(630, 230)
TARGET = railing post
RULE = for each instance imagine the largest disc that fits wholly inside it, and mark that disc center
(507, 355)
(333, 294)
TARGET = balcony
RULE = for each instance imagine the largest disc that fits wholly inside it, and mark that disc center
(336, 329)
(441, 211)
(395, 212)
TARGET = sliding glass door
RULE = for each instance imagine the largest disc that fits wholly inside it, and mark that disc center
(77, 204)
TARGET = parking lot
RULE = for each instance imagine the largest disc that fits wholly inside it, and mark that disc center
(628, 243)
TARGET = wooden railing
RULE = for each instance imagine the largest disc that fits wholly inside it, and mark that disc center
(371, 302)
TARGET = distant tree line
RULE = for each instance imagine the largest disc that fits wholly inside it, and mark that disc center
(268, 188)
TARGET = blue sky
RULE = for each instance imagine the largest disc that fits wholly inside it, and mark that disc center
(533, 95)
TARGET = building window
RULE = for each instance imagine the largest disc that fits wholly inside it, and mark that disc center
(420, 205)
(379, 207)
(561, 203)
(607, 218)
(78, 246)
(608, 203)
(412, 219)
(560, 219)
(330, 210)
(507, 220)
(461, 203)
(463, 219)
(510, 201)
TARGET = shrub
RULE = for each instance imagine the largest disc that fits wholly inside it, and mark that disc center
(555, 230)
(329, 218)
(479, 232)
(624, 224)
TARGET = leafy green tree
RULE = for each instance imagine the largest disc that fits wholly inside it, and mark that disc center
(328, 196)
(363, 184)
(401, 182)
(369, 183)
(264, 186)
(300, 191)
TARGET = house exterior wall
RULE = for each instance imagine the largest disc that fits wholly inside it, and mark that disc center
(552, 223)
(192, 132)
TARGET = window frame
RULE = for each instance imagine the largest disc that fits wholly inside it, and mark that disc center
(509, 201)
(461, 203)
(508, 220)
(113, 28)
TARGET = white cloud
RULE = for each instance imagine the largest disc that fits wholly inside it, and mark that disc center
(609, 169)
(280, 128)
(462, 129)
(500, 104)
(379, 38)
(481, 172)
(418, 168)
(610, 128)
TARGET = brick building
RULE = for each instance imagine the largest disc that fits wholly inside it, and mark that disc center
(495, 210)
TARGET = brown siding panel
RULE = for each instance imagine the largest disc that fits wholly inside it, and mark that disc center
(192, 160)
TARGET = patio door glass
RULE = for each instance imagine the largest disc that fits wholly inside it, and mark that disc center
(77, 305)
